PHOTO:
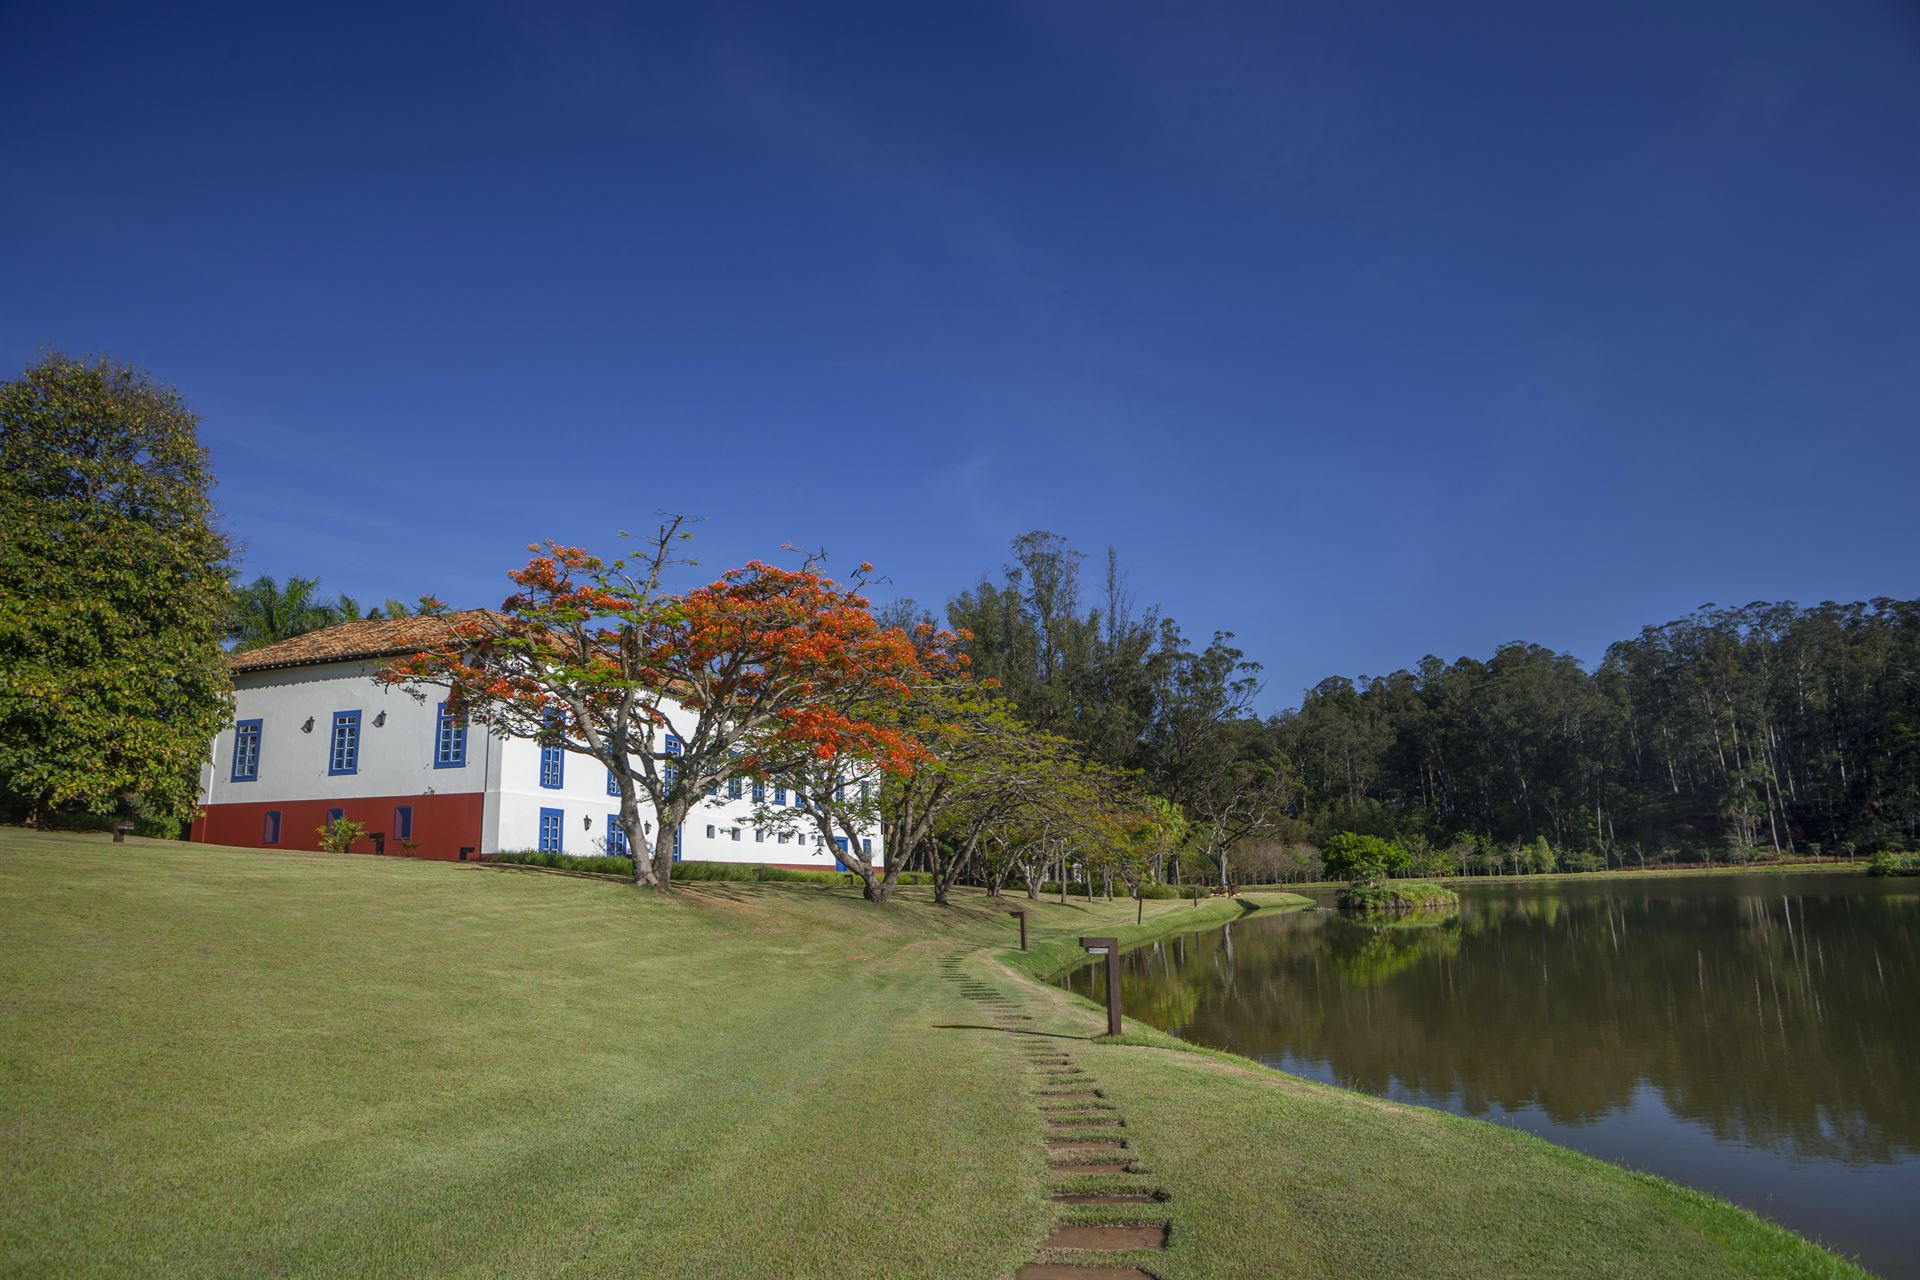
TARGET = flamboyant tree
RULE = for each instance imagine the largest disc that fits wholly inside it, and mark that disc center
(756, 673)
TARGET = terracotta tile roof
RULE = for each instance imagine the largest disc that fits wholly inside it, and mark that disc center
(349, 641)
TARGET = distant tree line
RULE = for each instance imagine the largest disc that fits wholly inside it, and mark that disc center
(1768, 730)
(1765, 729)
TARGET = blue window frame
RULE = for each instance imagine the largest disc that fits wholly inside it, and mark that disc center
(866, 847)
(553, 765)
(673, 745)
(671, 777)
(613, 784)
(779, 793)
(403, 822)
(334, 815)
(246, 751)
(616, 838)
(759, 791)
(678, 831)
(449, 740)
(552, 826)
(344, 757)
(839, 846)
(270, 830)
(733, 788)
(839, 791)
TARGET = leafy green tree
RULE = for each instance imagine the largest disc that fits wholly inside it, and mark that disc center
(1361, 859)
(113, 593)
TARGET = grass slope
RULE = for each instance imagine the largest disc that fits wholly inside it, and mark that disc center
(227, 1062)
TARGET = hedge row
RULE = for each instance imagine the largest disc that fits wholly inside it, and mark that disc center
(731, 872)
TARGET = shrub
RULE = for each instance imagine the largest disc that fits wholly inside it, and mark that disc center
(1362, 859)
(1584, 860)
(724, 872)
(1152, 892)
(1888, 863)
(1399, 895)
(338, 836)
(613, 866)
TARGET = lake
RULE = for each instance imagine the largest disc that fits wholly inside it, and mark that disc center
(1755, 1036)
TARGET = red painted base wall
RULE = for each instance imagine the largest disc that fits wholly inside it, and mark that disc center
(442, 825)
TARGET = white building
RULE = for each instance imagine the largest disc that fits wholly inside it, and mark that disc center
(315, 738)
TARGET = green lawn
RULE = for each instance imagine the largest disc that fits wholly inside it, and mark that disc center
(226, 1062)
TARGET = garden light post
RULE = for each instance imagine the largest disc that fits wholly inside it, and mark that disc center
(1110, 948)
(1021, 913)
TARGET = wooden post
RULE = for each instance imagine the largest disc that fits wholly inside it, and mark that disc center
(1023, 927)
(1110, 947)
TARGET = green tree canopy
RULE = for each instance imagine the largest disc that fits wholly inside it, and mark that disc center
(1361, 858)
(113, 593)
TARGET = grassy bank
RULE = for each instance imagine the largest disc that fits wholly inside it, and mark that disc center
(225, 1062)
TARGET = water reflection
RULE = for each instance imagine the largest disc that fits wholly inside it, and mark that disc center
(1776, 1013)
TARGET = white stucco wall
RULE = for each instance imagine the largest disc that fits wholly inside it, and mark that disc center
(396, 758)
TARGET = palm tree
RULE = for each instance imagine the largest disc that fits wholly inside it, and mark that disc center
(347, 609)
(264, 612)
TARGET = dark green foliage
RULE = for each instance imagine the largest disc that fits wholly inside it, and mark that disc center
(113, 593)
(1397, 895)
(1362, 859)
(1149, 890)
(1888, 863)
(1765, 731)
(729, 872)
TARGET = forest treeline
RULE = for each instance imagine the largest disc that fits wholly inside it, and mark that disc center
(1728, 734)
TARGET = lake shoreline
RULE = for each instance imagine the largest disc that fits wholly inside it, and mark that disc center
(1573, 1058)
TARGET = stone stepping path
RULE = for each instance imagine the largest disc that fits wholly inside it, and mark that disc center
(1070, 1104)
(1087, 1144)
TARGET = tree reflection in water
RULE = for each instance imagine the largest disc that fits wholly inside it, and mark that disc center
(1777, 1011)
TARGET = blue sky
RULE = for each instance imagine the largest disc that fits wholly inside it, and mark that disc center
(1364, 331)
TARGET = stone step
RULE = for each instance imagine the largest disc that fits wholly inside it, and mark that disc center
(1089, 1144)
(1103, 1197)
(1078, 1170)
(1074, 1271)
(1107, 1239)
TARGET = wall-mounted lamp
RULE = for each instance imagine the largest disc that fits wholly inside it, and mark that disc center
(380, 720)
(586, 821)
(308, 726)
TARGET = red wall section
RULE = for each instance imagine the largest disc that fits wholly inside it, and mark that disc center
(441, 824)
